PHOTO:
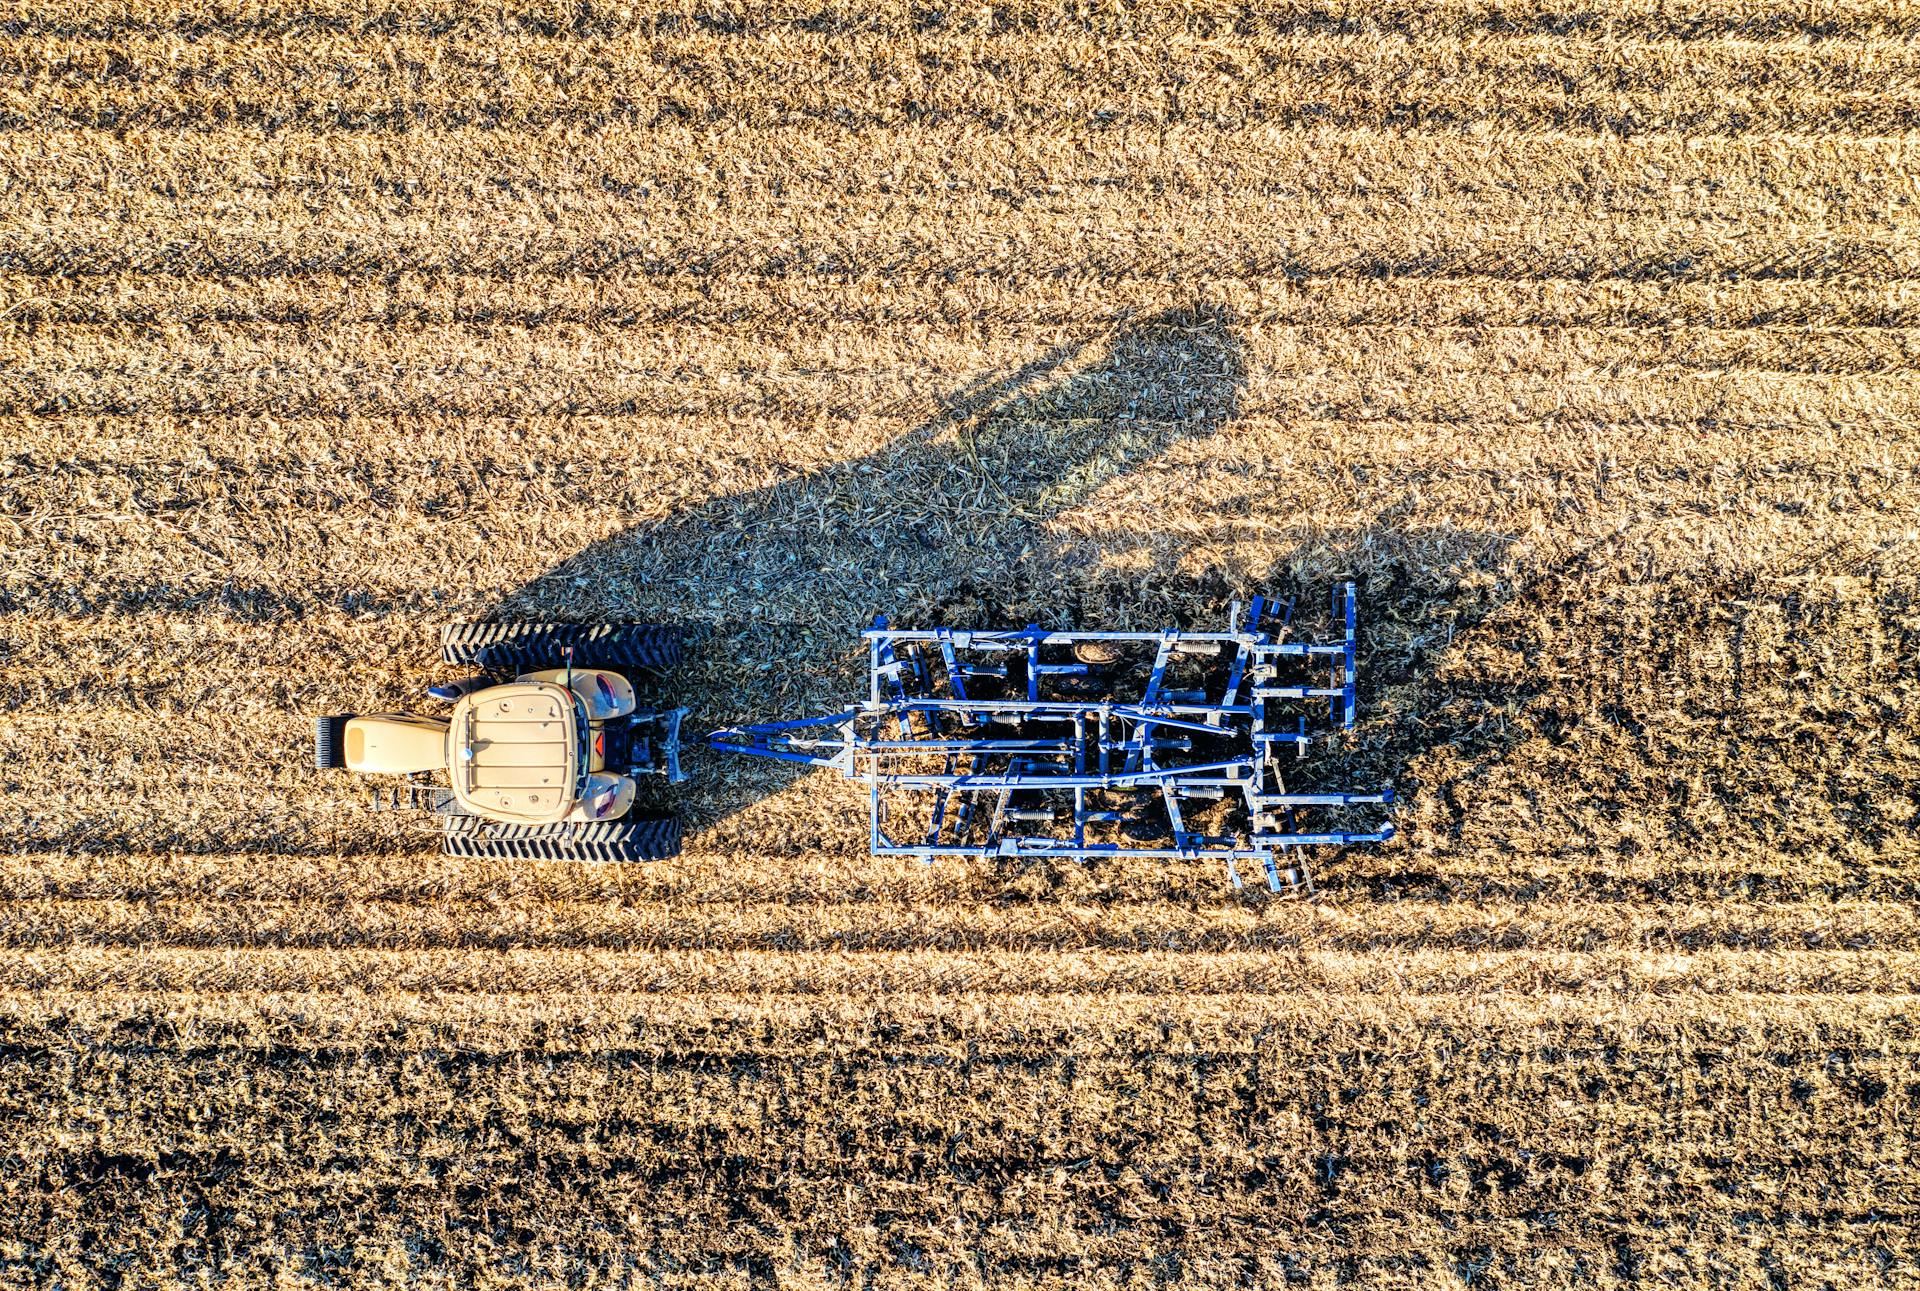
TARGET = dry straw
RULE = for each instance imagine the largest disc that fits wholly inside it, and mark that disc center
(1582, 335)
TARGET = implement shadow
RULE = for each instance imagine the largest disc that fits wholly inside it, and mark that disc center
(947, 524)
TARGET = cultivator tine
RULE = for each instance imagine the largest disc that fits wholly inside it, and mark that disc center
(956, 680)
(1264, 609)
(1137, 747)
(997, 824)
(1170, 799)
(1242, 654)
(1287, 878)
(887, 676)
(1160, 661)
(963, 821)
(1349, 691)
(876, 661)
(940, 797)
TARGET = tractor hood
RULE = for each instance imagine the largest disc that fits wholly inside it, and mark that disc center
(396, 744)
(515, 752)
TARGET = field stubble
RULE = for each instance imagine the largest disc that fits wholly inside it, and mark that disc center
(1584, 339)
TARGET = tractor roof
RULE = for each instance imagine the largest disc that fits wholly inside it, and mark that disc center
(516, 752)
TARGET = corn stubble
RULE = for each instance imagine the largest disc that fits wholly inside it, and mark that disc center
(1583, 336)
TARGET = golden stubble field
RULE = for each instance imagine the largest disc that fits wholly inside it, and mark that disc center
(1582, 334)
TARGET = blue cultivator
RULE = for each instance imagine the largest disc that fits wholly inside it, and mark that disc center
(1090, 744)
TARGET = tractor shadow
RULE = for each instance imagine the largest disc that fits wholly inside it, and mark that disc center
(961, 501)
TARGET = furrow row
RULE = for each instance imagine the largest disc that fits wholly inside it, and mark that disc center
(1767, 21)
(721, 970)
(243, 174)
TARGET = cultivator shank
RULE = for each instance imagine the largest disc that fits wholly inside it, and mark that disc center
(1090, 744)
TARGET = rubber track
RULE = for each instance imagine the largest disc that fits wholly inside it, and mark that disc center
(543, 645)
(649, 839)
(600, 831)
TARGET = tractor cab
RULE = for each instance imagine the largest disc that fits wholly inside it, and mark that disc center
(534, 760)
(534, 751)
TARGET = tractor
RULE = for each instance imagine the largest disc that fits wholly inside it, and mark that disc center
(544, 750)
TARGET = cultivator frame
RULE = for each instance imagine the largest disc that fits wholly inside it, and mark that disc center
(1001, 731)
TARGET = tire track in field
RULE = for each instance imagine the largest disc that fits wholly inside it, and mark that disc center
(924, 259)
(1019, 304)
(1031, 80)
(1790, 25)
(716, 970)
(943, 924)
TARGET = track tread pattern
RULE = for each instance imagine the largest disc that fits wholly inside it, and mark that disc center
(528, 645)
(647, 838)
(330, 741)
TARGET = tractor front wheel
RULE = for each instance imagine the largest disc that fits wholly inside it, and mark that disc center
(330, 742)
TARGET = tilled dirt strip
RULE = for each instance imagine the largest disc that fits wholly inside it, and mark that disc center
(561, 174)
(1025, 301)
(518, 912)
(886, 974)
